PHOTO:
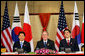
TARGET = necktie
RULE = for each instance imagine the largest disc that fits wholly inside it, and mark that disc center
(68, 42)
(21, 44)
(45, 44)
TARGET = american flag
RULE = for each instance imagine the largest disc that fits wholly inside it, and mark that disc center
(62, 25)
(6, 39)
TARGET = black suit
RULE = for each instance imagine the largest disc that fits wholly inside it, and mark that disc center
(26, 46)
(73, 44)
(50, 45)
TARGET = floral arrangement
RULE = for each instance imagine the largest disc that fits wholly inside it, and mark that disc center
(45, 51)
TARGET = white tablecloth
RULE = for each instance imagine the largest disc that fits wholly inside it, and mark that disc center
(79, 52)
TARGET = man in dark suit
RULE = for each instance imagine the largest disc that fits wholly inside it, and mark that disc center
(68, 42)
(45, 42)
(22, 43)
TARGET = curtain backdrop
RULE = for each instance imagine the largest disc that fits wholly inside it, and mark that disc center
(44, 18)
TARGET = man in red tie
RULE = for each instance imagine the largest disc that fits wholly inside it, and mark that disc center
(68, 42)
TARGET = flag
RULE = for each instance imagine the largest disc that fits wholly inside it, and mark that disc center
(6, 39)
(27, 28)
(76, 26)
(16, 25)
(62, 25)
(82, 32)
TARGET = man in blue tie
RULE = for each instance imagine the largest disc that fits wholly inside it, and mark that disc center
(45, 42)
(22, 43)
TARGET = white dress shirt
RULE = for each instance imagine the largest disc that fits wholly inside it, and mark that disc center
(68, 39)
(45, 41)
(22, 41)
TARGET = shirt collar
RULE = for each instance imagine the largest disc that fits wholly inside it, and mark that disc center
(45, 41)
(22, 41)
(68, 39)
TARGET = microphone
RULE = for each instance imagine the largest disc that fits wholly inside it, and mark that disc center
(16, 49)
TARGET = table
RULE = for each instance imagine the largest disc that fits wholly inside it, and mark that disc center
(42, 54)
(59, 53)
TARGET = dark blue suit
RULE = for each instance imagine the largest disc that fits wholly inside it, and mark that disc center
(26, 46)
(49, 45)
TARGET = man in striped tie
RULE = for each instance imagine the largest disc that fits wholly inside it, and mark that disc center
(22, 44)
(68, 42)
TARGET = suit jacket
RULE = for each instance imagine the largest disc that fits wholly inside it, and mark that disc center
(50, 44)
(26, 46)
(73, 44)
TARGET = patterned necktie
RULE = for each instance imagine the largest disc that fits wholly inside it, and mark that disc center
(45, 44)
(21, 44)
(68, 42)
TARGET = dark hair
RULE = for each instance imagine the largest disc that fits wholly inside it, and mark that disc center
(67, 30)
(21, 32)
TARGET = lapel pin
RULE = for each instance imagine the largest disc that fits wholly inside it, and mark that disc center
(48, 44)
(71, 42)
